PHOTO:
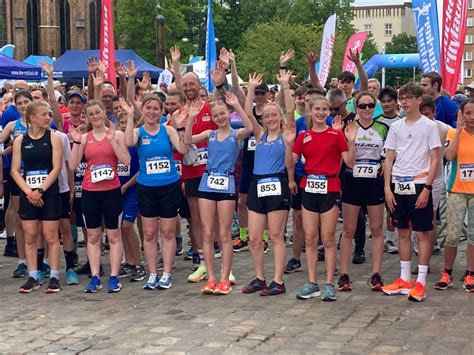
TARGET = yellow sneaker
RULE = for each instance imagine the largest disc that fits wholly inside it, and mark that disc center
(398, 287)
(198, 275)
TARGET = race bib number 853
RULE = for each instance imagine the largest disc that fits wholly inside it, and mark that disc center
(268, 187)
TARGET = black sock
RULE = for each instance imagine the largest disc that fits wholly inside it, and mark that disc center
(69, 256)
(449, 271)
(40, 258)
(11, 242)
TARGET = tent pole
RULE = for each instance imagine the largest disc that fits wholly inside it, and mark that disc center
(83, 83)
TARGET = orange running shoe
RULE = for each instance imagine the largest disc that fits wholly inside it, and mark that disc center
(417, 293)
(223, 288)
(469, 283)
(444, 282)
(209, 288)
(398, 287)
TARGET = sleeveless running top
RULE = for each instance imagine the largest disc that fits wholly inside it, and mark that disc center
(126, 172)
(155, 153)
(101, 169)
(37, 157)
(18, 128)
(269, 156)
(219, 174)
(370, 141)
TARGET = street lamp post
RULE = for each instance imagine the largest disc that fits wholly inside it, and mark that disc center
(160, 37)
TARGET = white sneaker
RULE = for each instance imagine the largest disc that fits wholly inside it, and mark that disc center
(390, 248)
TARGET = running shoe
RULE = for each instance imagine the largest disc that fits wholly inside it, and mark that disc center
(20, 271)
(390, 247)
(446, 281)
(254, 286)
(321, 254)
(138, 274)
(359, 257)
(436, 250)
(209, 288)
(469, 283)
(30, 285)
(189, 254)
(293, 266)
(398, 287)
(94, 285)
(344, 283)
(165, 282)
(10, 251)
(151, 283)
(309, 290)
(84, 269)
(417, 293)
(273, 289)
(41, 277)
(179, 245)
(376, 282)
(217, 251)
(46, 270)
(114, 284)
(196, 261)
(329, 293)
(198, 275)
(53, 286)
(240, 245)
(232, 278)
(223, 288)
(126, 270)
(71, 277)
(265, 247)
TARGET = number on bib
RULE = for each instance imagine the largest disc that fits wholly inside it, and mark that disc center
(201, 158)
(178, 165)
(365, 169)
(252, 144)
(36, 178)
(123, 170)
(466, 172)
(405, 186)
(316, 184)
(101, 172)
(218, 182)
(158, 166)
(268, 187)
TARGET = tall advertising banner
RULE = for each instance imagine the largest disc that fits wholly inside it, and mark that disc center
(327, 47)
(355, 43)
(107, 40)
(452, 48)
(211, 53)
(425, 16)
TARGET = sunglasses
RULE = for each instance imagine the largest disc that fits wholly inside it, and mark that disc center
(365, 106)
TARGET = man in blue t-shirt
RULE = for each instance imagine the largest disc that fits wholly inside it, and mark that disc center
(446, 109)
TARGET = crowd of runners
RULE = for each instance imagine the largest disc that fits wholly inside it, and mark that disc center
(233, 163)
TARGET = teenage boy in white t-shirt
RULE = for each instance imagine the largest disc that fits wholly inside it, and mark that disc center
(411, 165)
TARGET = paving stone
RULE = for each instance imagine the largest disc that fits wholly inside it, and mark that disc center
(165, 341)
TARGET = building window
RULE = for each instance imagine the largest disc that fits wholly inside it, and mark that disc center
(468, 39)
(467, 57)
(471, 4)
(94, 23)
(388, 29)
(470, 21)
(368, 28)
(467, 72)
(65, 24)
(3, 31)
(32, 21)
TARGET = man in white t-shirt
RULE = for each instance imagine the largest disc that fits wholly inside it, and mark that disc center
(411, 166)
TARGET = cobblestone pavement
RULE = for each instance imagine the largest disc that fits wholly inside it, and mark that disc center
(180, 320)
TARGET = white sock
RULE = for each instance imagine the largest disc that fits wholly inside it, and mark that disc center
(390, 236)
(21, 261)
(422, 272)
(46, 261)
(405, 270)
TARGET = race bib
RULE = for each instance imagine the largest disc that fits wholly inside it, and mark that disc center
(123, 170)
(365, 169)
(158, 165)
(178, 165)
(268, 187)
(201, 157)
(252, 144)
(405, 186)
(466, 172)
(316, 184)
(36, 178)
(217, 181)
(78, 189)
(102, 172)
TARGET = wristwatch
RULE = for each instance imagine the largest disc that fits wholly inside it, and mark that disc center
(429, 187)
(40, 190)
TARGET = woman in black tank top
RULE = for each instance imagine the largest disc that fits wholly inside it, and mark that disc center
(41, 153)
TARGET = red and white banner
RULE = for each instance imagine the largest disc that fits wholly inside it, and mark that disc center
(452, 45)
(327, 47)
(107, 41)
(355, 43)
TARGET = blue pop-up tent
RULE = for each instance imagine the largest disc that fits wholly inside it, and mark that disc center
(36, 59)
(12, 69)
(73, 64)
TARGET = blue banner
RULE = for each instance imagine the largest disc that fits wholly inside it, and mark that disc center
(425, 16)
(211, 53)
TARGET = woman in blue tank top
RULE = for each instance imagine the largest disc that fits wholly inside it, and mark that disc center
(158, 189)
(217, 188)
(269, 195)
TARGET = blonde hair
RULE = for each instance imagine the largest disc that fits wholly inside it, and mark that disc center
(311, 103)
(280, 111)
(33, 108)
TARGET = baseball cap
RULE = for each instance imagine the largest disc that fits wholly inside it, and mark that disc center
(262, 88)
(460, 98)
(72, 94)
